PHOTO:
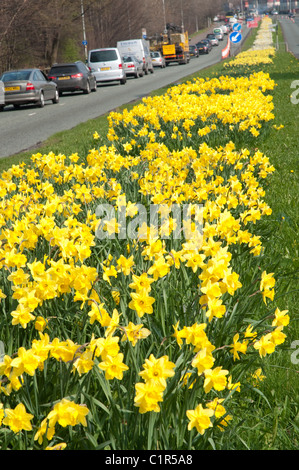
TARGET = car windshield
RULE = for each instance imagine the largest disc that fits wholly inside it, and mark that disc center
(15, 76)
(155, 54)
(103, 56)
(63, 69)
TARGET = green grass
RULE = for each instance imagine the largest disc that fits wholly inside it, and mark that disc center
(274, 424)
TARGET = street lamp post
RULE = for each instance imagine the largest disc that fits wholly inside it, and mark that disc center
(164, 16)
(84, 31)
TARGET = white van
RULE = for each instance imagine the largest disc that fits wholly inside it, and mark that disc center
(107, 65)
(139, 48)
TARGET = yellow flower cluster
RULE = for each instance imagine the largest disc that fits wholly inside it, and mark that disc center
(150, 393)
(195, 110)
(262, 51)
(252, 57)
(91, 293)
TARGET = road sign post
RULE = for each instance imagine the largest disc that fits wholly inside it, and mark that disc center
(237, 27)
(235, 37)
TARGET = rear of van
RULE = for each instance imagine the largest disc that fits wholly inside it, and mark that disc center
(107, 65)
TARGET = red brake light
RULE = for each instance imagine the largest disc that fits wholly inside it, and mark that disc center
(51, 78)
(30, 86)
(120, 66)
(77, 75)
(130, 65)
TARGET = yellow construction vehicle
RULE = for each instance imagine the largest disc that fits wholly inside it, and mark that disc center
(173, 44)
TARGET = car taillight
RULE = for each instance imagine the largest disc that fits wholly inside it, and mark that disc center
(30, 86)
(143, 59)
(120, 66)
(130, 65)
(77, 75)
(52, 78)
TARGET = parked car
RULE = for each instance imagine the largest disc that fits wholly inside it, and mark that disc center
(193, 51)
(157, 59)
(28, 86)
(203, 47)
(133, 66)
(107, 65)
(73, 77)
(213, 39)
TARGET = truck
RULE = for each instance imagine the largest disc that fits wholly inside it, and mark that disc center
(173, 44)
(140, 48)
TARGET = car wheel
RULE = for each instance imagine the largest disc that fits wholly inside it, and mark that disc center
(152, 70)
(136, 75)
(123, 81)
(41, 102)
(141, 74)
(1, 108)
(87, 89)
(95, 87)
(56, 97)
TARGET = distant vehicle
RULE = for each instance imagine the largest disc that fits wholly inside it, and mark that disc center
(28, 86)
(224, 28)
(173, 44)
(157, 59)
(193, 51)
(213, 39)
(73, 77)
(140, 48)
(107, 65)
(218, 33)
(133, 66)
(203, 47)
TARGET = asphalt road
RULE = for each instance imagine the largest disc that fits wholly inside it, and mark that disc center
(27, 127)
(291, 33)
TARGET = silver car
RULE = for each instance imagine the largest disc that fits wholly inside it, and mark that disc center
(157, 59)
(214, 41)
(107, 65)
(28, 86)
(133, 66)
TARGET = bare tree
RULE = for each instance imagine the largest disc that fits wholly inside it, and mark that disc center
(42, 32)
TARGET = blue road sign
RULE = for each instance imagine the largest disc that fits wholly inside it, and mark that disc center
(235, 37)
(84, 43)
(237, 27)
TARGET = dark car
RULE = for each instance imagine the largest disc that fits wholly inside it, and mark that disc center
(209, 44)
(72, 77)
(27, 86)
(193, 51)
(203, 47)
